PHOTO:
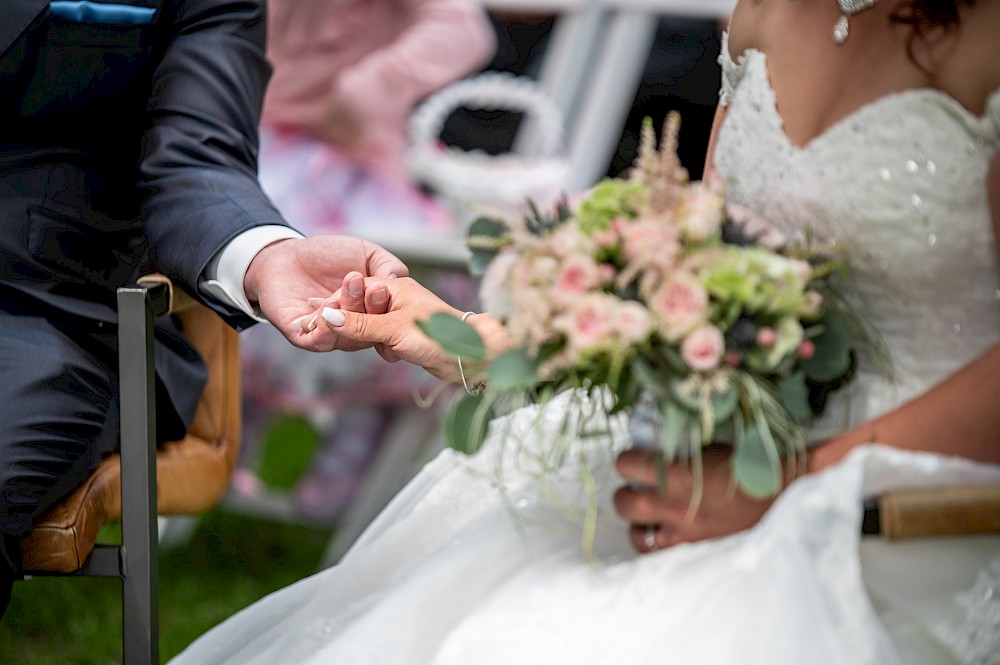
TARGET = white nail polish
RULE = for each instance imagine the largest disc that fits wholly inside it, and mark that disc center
(334, 317)
(316, 302)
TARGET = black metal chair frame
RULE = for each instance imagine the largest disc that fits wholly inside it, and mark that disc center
(135, 560)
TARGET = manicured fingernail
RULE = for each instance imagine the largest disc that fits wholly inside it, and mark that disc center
(380, 296)
(393, 275)
(316, 302)
(334, 317)
(356, 286)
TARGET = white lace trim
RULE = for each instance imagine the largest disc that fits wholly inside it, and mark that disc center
(976, 640)
(732, 71)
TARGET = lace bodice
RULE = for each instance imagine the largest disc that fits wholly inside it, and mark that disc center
(901, 183)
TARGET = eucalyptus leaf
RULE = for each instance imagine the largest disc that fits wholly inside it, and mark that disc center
(676, 421)
(454, 336)
(647, 377)
(512, 370)
(680, 397)
(480, 260)
(833, 350)
(484, 238)
(754, 469)
(795, 396)
(486, 227)
(724, 404)
(465, 432)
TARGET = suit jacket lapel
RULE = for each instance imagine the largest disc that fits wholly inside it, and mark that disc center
(17, 14)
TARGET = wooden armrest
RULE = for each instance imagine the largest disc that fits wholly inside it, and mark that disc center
(946, 511)
(177, 299)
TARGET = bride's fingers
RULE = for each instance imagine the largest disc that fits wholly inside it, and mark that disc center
(642, 506)
(358, 326)
(647, 537)
(641, 466)
(387, 354)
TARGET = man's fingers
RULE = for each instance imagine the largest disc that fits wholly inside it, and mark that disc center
(308, 323)
(352, 293)
(385, 265)
(376, 298)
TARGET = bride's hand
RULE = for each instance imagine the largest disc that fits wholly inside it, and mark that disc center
(686, 508)
(394, 334)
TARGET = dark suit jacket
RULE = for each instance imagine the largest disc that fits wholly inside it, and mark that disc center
(128, 144)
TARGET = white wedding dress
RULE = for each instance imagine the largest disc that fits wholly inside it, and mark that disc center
(457, 572)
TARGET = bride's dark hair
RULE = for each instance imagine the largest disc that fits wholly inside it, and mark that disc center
(923, 14)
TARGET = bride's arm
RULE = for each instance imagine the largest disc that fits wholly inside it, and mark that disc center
(720, 115)
(396, 336)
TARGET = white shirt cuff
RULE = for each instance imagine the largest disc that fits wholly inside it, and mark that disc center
(224, 274)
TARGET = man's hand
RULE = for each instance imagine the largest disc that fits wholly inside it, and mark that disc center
(287, 278)
(686, 508)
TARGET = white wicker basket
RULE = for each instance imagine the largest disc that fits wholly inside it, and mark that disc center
(467, 178)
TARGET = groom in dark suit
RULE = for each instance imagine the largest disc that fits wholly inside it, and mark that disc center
(128, 145)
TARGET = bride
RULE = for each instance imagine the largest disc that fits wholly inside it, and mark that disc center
(879, 122)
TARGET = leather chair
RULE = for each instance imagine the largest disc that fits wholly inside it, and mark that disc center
(180, 477)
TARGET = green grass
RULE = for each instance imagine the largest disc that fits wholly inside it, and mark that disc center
(229, 562)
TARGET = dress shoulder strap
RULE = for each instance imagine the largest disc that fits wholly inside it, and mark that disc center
(992, 114)
(732, 70)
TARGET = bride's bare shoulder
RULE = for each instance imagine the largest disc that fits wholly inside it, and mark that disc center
(762, 24)
(745, 25)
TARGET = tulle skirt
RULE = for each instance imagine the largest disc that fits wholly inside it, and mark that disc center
(489, 560)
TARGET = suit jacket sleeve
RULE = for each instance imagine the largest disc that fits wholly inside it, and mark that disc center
(199, 156)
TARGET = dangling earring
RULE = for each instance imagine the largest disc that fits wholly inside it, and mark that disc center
(849, 9)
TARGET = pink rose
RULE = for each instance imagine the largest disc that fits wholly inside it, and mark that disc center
(680, 304)
(578, 274)
(632, 321)
(703, 348)
(590, 322)
(648, 240)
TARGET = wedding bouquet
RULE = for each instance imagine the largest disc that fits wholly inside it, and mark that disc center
(656, 290)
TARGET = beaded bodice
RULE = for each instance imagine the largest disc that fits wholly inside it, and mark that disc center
(901, 184)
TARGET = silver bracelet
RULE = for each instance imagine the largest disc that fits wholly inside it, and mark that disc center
(479, 387)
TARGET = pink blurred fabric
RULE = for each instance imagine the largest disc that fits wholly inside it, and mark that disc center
(374, 60)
